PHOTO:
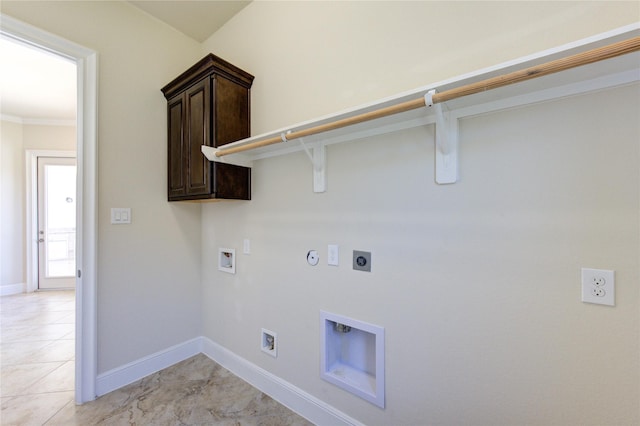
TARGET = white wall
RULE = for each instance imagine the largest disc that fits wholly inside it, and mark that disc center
(16, 139)
(149, 271)
(12, 273)
(477, 284)
(2, 232)
(40, 136)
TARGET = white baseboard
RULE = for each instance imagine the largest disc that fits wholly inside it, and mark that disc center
(136, 370)
(299, 401)
(8, 290)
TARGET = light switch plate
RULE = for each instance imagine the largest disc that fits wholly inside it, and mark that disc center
(120, 215)
(333, 255)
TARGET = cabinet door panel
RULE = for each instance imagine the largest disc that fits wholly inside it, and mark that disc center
(231, 111)
(198, 100)
(177, 162)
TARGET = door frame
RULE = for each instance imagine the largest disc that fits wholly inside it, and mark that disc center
(31, 242)
(86, 215)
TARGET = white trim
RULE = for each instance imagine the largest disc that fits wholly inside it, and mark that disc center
(11, 118)
(48, 122)
(306, 405)
(37, 121)
(86, 129)
(87, 229)
(31, 222)
(10, 289)
(136, 370)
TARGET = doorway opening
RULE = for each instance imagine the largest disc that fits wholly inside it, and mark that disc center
(86, 196)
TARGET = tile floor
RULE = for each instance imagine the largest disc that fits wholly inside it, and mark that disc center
(37, 363)
(37, 349)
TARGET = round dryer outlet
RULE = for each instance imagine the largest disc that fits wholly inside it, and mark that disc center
(313, 258)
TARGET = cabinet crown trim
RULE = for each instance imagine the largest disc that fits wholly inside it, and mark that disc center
(209, 65)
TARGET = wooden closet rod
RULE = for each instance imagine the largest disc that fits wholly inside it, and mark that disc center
(584, 58)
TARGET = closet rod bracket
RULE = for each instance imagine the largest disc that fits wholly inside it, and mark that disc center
(446, 144)
(235, 159)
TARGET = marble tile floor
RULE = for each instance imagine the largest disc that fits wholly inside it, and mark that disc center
(196, 391)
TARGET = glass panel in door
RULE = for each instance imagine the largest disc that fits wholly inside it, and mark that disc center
(56, 222)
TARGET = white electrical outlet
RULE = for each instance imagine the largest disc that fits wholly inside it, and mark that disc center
(598, 286)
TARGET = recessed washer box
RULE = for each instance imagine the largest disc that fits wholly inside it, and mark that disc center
(352, 356)
(227, 260)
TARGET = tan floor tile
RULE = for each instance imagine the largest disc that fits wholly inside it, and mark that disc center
(67, 318)
(37, 352)
(69, 336)
(18, 352)
(33, 410)
(58, 350)
(59, 380)
(30, 333)
(13, 332)
(16, 379)
(35, 317)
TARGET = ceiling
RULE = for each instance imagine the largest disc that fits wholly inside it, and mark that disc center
(197, 19)
(35, 85)
(38, 86)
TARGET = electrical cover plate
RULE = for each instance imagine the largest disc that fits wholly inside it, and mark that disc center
(598, 286)
(362, 260)
(120, 215)
(333, 254)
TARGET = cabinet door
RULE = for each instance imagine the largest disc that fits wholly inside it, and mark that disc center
(177, 170)
(198, 122)
(231, 114)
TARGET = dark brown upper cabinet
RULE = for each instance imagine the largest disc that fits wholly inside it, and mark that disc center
(209, 104)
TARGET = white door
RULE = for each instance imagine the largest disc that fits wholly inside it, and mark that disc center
(56, 223)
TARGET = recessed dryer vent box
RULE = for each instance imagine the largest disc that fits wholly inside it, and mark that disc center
(352, 356)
